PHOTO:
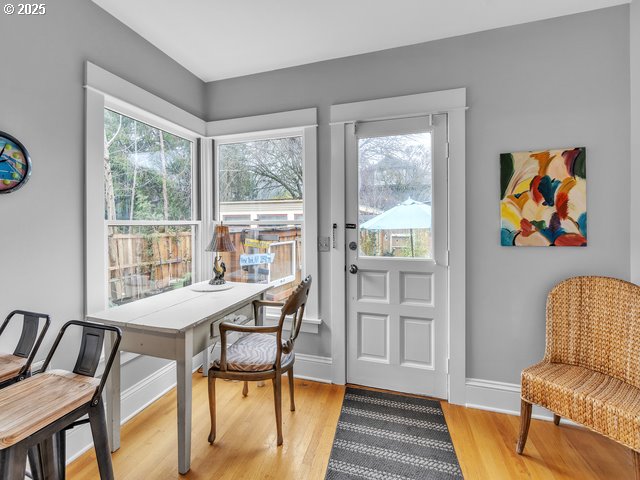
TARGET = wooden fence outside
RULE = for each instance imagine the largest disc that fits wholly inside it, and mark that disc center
(143, 265)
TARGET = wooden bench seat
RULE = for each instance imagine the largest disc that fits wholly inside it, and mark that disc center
(10, 366)
(50, 395)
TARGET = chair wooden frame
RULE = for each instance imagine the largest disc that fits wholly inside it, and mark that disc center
(294, 306)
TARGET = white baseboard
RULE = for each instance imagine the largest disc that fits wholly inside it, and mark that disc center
(144, 393)
(500, 397)
(313, 367)
(134, 400)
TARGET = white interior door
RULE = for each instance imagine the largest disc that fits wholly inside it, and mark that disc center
(397, 254)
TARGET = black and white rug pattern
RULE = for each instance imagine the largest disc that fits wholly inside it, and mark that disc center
(381, 436)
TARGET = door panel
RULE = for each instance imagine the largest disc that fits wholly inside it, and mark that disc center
(397, 319)
(416, 288)
(373, 337)
(373, 286)
(416, 342)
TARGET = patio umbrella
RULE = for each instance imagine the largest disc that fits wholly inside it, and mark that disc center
(409, 214)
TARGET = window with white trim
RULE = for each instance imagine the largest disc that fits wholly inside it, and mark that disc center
(260, 192)
(149, 208)
(265, 193)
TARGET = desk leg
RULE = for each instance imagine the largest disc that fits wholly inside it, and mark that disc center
(113, 396)
(184, 350)
(206, 361)
(259, 320)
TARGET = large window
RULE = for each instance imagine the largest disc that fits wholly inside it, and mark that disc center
(148, 209)
(152, 202)
(261, 198)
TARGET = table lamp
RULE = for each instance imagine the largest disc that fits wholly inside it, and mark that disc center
(221, 242)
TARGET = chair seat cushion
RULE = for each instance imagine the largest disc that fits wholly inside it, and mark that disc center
(255, 352)
(601, 402)
(38, 401)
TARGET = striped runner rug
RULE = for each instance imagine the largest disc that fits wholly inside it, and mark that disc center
(382, 436)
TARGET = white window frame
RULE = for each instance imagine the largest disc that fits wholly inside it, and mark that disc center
(263, 127)
(288, 278)
(105, 90)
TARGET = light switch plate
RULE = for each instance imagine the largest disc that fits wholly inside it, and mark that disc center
(324, 244)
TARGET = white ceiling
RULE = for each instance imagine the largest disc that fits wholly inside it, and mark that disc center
(218, 39)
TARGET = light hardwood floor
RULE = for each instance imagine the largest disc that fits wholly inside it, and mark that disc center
(246, 444)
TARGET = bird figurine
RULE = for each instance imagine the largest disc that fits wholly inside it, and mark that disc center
(219, 269)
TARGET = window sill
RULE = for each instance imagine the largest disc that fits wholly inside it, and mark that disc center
(309, 325)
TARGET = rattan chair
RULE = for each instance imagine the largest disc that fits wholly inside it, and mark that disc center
(260, 355)
(591, 368)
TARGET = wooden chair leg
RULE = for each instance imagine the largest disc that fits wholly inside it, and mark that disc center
(292, 402)
(245, 389)
(212, 408)
(277, 397)
(636, 463)
(98, 422)
(556, 419)
(525, 420)
(13, 463)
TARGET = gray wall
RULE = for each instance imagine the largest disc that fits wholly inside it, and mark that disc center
(42, 104)
(634, 19)
(555, 83)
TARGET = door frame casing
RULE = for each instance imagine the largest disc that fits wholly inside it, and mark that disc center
(453, 103)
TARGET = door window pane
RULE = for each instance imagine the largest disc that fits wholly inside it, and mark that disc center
(394, 196)
(148, 172)
(147, 260)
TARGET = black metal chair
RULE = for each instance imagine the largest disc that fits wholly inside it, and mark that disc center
(36, 412)
(17, 366)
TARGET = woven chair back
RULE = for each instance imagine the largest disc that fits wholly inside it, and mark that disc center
(594, 322)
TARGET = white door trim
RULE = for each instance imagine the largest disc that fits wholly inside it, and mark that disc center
(453, 103)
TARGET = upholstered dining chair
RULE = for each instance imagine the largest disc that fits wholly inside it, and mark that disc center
(261, 354)
(591, 368)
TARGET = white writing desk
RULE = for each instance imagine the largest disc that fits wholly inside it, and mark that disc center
(172, 325)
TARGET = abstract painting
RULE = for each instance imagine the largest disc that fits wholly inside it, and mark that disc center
(544, 198)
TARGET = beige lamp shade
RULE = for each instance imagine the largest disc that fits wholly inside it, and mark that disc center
(221, 241)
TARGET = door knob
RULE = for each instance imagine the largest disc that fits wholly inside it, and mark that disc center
(353, 268)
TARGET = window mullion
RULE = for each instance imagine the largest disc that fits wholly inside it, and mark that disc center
(151, 223)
